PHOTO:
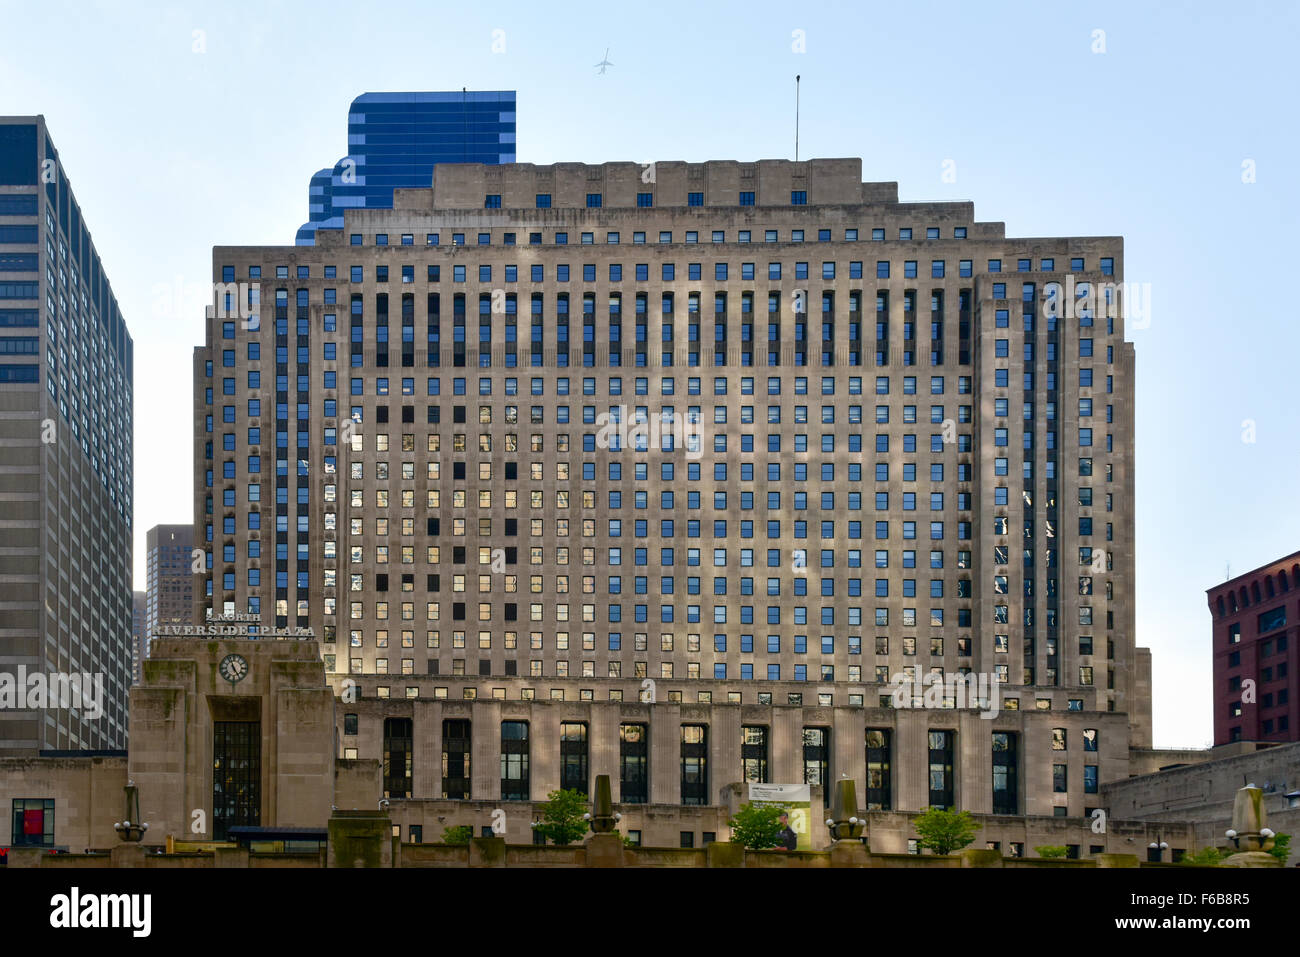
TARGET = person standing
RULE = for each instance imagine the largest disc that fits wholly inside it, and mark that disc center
(787, 839)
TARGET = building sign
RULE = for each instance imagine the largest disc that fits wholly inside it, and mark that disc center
(795, 799)
(232, 626)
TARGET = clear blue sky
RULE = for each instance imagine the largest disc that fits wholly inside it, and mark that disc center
(172, 151)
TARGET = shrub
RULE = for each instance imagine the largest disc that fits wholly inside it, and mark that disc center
(458, 834)
(756, 826)
(561, 820)
(945, 831)
(1205, 857)
(1281, 848)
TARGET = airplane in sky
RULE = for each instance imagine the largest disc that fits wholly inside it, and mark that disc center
(605, 62)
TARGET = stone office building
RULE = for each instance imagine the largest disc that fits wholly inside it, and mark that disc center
(238, 733)
(463, 748)
(748, 439)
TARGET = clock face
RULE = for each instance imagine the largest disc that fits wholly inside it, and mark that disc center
(233, 668)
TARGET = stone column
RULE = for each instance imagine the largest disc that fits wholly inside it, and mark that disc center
(426, 771)
(665, 754)
(544, 745)
(485, 767)
(911, 760)
(785, 747)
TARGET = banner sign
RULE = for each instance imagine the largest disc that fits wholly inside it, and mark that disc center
(795, 799)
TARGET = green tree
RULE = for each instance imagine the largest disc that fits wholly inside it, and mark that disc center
(756, 826)
(1281, 848)
(457, 834)
(1205, 857)
(1051, 852)
(561, 820)
(945, 831)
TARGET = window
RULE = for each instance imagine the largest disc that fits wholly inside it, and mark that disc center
(33, 822)
(1005, 787)
(397, 756)
(941, 767)
(1274, 618)
(878, 769)
(236, 775)
(799, 197)
(695, 764)
(816, 760)
(455, 760)
(1090, 779)
(753, 754)
(634, 764)
(573, 756)
(514, 761)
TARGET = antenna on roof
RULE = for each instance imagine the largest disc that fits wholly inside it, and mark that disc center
(796, 117)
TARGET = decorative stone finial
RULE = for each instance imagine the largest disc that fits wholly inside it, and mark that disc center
(844, 822)
(602, 807)
(1249, 833)
(126, 830)
(1248, 819)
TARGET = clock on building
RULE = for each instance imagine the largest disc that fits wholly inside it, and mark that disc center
(234, 668)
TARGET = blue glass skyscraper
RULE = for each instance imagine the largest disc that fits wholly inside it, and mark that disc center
(394, 140)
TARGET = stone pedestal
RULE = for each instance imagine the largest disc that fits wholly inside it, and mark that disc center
(724, 854)
(360, 839)
(1251, 859)
(229, 857)
(849, 853)
(605, 850)
(126, 855)
(487, 852)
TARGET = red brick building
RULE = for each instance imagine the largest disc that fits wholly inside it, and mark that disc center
(1256, 662)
